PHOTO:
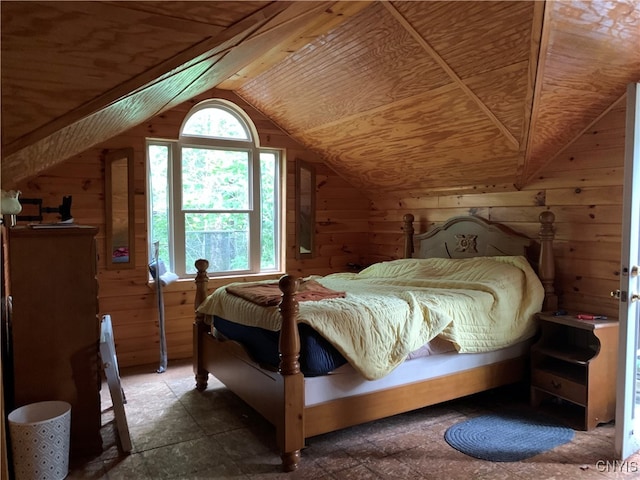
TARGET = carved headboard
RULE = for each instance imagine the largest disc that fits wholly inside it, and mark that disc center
(469, 236)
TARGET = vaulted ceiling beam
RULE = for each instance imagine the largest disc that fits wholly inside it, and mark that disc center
(327, 16)
(532, 177)
(537, 88)
(450, 72)
(532, 85)
(131, 102)
(206, 48)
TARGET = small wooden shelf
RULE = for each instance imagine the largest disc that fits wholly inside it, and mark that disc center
(568, 371)
(575, 360)
(580, 356)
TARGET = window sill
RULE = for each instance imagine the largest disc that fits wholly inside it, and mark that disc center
(185, 284)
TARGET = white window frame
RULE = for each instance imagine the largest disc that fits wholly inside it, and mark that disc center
(176, 214)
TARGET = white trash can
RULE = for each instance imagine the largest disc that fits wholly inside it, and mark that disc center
(40, 436)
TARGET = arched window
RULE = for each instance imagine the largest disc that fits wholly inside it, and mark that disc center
(215, 120)
(215, 194)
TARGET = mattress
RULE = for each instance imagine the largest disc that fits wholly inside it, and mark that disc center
(317, 355)
(345, 381)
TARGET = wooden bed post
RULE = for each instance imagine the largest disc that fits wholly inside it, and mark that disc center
(200, 328)
(290, 431)
(408, 235)
(546, 267)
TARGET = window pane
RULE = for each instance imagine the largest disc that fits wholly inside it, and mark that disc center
(159, 201)
(215, 122)
(269, 246)
(221, 238)
(215, 179)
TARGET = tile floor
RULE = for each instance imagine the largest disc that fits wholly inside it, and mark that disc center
(179, 433)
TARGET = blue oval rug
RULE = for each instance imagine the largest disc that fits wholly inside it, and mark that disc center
(507, 437)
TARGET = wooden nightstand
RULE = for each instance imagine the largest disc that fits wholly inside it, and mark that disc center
(576, 360)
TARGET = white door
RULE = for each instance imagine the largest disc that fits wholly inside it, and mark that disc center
(627, 439)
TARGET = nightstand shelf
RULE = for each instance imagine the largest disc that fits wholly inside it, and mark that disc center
(575, 360)
(570, 372)
(579, 356)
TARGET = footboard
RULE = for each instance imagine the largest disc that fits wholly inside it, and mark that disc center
(277, 396)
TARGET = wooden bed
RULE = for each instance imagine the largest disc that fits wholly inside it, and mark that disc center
(280, 396)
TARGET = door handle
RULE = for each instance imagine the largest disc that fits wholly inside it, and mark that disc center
(622, 296)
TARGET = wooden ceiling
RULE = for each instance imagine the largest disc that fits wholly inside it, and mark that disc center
(401, 98)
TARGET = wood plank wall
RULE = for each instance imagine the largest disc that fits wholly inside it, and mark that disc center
(582, 187)
(127, 295)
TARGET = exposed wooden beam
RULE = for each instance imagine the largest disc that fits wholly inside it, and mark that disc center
(191, 78)
(530, 178)
(284, 25)
(95, 128)
(537, 88)
(332, 15)
(582, 72)
(452, 74)
(208, 47)
(534, 59)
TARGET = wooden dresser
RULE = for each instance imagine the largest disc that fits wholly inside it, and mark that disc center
(54, 324)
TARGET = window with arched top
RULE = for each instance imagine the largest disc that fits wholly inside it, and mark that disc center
(216, 120)
(215, 194)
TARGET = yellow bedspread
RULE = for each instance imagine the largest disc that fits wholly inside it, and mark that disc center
(393, 308)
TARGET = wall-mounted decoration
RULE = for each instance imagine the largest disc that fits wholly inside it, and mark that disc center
(305, 209)
(119, 203)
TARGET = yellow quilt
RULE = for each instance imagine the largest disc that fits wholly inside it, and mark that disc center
(393, 308)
